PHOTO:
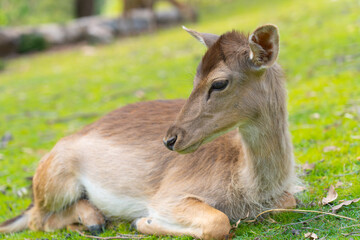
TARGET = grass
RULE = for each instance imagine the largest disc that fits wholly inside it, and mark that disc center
(46, 96)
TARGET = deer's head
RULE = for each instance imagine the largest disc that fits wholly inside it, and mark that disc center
(228, 88)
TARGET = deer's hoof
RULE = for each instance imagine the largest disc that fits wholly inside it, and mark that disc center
(133, 226)
(96, 229)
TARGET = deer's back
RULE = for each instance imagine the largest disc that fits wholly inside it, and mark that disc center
(136, 123)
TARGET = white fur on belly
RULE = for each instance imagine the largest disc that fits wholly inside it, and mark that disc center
(112, 205)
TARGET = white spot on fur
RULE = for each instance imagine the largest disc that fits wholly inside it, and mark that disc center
(112, 205)
(251, 55)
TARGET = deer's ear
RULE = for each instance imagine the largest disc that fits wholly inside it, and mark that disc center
(208, 39)
(264, 45)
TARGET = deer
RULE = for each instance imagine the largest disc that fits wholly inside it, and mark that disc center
(228, 152)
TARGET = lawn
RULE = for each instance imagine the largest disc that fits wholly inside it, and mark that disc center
(46, 96)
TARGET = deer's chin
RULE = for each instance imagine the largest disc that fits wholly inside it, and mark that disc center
(190, 149)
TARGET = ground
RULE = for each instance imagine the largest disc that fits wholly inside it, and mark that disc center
(46, 96)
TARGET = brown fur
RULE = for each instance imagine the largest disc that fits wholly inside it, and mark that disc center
(120, 164)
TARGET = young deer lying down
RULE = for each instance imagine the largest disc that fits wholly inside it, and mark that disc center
(118, 167)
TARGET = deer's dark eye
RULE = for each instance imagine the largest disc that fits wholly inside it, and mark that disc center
(219, 85)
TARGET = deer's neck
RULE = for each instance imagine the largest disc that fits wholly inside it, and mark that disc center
(268, 165)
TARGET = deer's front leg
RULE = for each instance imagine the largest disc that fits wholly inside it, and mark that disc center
(190, 217)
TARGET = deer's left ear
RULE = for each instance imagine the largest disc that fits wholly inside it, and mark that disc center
(207, 39)
(264, 45)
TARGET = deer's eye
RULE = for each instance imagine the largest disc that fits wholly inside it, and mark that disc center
(217, 86)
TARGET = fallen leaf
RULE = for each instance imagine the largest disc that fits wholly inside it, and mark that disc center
(311, 235)
(331, 196)
(358, 158)
(308, 166)
(345, 203)
(330, 149)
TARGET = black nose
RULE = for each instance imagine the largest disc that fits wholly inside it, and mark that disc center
(170, 142)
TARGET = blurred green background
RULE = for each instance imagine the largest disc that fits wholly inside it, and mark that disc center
(33, 12)
(48, 95)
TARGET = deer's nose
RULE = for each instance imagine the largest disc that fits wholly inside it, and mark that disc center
(170, 142)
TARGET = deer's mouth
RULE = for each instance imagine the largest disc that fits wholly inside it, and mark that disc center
(195, 146)
(190, 149)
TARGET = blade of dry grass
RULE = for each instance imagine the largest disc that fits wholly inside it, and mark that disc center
(122, 236)
(300, 211)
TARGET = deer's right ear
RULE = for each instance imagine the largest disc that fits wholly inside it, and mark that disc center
(264, 45)
(208, 39)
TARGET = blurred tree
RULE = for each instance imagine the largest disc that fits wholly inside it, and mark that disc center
(84, 8)
(34, 12)
(112, 8)
(136, 4)
(186, 10)
(2, 64)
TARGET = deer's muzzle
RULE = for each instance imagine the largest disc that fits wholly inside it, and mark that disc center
(170, 142)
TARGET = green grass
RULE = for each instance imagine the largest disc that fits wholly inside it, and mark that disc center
(47, 96)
